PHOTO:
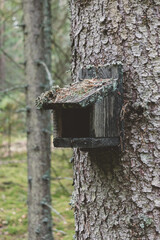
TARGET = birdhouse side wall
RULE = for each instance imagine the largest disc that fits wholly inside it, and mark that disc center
(57, 123)
(105, 117)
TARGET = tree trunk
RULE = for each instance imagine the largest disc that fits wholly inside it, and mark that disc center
(117, 195)
(2, 57)
(38, 121)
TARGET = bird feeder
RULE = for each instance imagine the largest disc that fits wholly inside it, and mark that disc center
(86, 114)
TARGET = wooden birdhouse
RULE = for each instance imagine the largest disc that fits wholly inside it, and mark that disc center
(87, 113)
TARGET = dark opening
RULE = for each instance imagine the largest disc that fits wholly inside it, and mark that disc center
(75, 123)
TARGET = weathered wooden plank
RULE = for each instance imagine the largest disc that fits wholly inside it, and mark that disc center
(57, 123)
(86, 142)
(106, 107)
(107, 71)
(62, 142)
(82, 100)
(105, 116)
(98, 121)
(102, 127)
(112, 115)
(98, 82)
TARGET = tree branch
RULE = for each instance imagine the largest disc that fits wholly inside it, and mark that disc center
(11, 59)
(61, 50)
(62, 186)
(61, 178)
(59, 231)
(19, 102)
(13, 88)
(55, 211)
(47, 72)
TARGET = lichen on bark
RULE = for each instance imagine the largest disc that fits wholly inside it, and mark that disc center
(117, 196)
(38, 140)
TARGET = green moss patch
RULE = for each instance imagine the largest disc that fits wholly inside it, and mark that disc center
(13, 196)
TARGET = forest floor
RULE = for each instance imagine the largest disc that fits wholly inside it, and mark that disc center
(13, 193)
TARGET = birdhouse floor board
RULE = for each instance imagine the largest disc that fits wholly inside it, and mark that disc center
(86, 142)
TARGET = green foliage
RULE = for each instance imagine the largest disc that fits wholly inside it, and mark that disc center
(7, 104)
(13, 196)
(13, 176)
(12, 48)
(10, 115)
(12, 18)
(61, 52)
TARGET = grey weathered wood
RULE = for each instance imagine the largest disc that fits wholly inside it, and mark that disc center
(108, 71)
(112, 116)
(104, 125)
(98, 119)
(57, 123)
(86, 142)
(62, 142)
(84, 99)
(105, 80)
(105, 115)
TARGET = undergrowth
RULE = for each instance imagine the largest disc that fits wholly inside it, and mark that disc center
(13, 196)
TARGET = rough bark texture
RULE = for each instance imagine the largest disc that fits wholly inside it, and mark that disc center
(117, 196)
(38, 122)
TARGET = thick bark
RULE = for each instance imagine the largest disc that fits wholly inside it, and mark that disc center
(117, 196)
(38, 121)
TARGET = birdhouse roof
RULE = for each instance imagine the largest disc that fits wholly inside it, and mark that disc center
(79, 94)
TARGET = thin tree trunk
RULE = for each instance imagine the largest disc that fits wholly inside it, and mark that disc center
(38, 122)
(2, 57)
(9, 133)
(117, 195)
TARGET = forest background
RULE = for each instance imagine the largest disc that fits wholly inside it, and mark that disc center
(13, 164)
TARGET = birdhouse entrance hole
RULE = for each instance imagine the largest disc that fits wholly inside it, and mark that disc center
(75, 123)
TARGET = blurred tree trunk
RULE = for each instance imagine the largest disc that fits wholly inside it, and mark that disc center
(37, 51)
(2, 57)
(117, 196)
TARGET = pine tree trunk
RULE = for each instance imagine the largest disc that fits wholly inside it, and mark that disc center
(117, 195)
(38, 121)
(2, 57)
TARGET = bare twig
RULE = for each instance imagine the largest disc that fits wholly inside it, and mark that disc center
(59, 231)
(12, 162)
(55, 211)
(61, 178)
(47, 131)
(62, 186)
(21, 110)
(48, 72)
(11, 59)
(58, 76)
(15, 99)
(61, 50)
(13, 88)
(9, 16)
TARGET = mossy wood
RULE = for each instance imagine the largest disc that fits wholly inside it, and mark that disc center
(87, 114)
(77, 95)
